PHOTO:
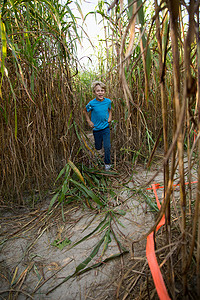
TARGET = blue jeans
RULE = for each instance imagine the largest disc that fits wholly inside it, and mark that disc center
(103, 137)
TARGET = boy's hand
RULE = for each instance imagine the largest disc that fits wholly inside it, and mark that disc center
(91, 124)
(110, 116)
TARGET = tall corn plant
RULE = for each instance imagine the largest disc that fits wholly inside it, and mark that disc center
(37, 55)
(180, 106)
(180, 97)
(197, 208)
(175, 92)
(162, 35)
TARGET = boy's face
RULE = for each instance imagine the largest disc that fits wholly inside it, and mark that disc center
(99, 93)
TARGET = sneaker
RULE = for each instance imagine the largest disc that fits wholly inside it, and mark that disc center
(107, 167)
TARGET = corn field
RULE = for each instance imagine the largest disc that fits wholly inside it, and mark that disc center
(149, 60)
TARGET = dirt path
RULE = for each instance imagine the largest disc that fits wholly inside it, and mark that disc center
(33, 267)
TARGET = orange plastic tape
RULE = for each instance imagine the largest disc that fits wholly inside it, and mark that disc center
(195, 134)
(151, 257)
(157, 185)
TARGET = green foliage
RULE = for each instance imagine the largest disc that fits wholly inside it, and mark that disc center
(106, 230)
(34, 30)
(90, 185)
(60, 244)
(85, 186)
(37, 52)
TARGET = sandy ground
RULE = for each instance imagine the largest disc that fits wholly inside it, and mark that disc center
(32, 267)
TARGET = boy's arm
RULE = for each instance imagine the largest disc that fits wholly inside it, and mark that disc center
(90, 123)
(110, 116)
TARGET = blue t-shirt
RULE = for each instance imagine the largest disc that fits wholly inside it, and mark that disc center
(99, 112)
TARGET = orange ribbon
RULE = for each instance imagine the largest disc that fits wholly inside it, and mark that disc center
(195, 134)
(150, 251)
(157, 186)
(151, 256)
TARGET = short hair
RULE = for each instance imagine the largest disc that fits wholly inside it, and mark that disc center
(101, 84)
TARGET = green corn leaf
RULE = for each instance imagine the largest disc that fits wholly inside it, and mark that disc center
(76, 170)
(74, 22)
(103, 262)
(118, 242)
(3, 44)
(107, 240)
(104, 226)
(91, 233)
(37, 272)
(11, 45)
(54, 12)
(147, 58)
(142, 23)
(3, 50)
(64, 170)
(94, 266)
(165, 36)
(90, 193)
(120, 212)
(90, 257)
(3, 111)
(150, 202)
(53, 201)
(117, 219)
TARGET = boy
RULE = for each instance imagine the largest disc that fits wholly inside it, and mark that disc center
(101, 116)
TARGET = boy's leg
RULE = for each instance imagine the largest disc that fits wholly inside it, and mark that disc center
(107, 145)
(98, 139)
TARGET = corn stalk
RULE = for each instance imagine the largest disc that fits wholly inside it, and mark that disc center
(37, 40)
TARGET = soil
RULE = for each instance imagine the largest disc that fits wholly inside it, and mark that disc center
(32, 268)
